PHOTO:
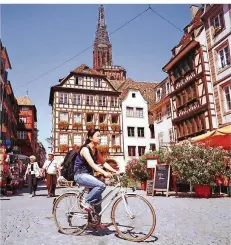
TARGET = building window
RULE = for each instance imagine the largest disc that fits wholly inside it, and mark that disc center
(115, 140)
(169, 110)
(90, 117)
(89, 99)
(131, 131)
(152, 147)
(140, 132)
(167, 85)
(63, 98)
(98, 83)
(139, 112)
(115, 119)
(129, 112)
(133, 95)
(78, 81)
(22, 119)
(63, 116)
(159, 115)
(171, 135)
(161, 139)
(131, 151)
(224, 57)
(104, 140)
(102, 101)
(114, 102)
(102, 118)
(63, 139)
(77, 139)
(218, 21)
(158, 94)
(227, 93)
(77, 117)
(22, 135)
(76, 100)
(141, 150)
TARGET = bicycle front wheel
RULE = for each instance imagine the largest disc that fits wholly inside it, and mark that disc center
(68, 216)
(133, 217)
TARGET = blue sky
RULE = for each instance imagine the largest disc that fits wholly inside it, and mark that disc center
(40, 37)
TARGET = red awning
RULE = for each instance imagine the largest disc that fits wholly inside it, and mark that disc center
(218, 137)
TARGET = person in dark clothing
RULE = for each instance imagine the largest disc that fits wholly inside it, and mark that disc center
(85, 165)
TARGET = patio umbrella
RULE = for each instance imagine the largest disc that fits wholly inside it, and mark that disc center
(218, 137)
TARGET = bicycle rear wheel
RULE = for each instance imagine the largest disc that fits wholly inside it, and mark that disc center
(69, 217)
(134, 218)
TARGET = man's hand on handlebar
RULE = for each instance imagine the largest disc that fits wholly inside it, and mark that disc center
(107, 175)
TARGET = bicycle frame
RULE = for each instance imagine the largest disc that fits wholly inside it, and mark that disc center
(122, 193)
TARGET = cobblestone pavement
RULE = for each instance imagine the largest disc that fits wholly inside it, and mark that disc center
(185, 221)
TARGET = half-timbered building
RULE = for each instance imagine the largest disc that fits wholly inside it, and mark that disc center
(162, 112)
(191, 87)
(217, 22)
(82, 100)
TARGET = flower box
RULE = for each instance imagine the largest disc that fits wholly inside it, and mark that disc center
(89, 125)
(103, 148)
(76, 125)
(115, 126)
(63, 124)
(63, 148)
(103, 126)
(76, 147)
(116, 147)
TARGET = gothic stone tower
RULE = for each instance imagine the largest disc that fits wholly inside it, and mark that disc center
(102, 54)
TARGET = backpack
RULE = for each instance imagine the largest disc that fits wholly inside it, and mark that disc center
(67, 170)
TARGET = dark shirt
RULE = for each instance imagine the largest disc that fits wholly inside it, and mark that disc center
(81, 164)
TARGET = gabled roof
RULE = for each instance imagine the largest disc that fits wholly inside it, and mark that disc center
(24, 100)
(116, 83)
(147, 90)
(84, 69)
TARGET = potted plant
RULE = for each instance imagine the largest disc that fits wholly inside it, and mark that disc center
(115, 126)
(63, 124)
(89, 125)
(103, 126)
(103, 148)
(63, 147)
(137, 170)
(76, 125)
(197, 165)
(76, 147)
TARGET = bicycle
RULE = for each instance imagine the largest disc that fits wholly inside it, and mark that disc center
(126, 206)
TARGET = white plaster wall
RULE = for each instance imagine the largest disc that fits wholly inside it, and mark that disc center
(135, 122)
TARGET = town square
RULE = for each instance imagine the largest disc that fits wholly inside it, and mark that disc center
(115, 130)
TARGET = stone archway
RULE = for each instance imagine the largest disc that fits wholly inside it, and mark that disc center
(113, 164)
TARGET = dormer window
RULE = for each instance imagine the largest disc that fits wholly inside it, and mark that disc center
(158, 94)
(78, 81)
(133, 95)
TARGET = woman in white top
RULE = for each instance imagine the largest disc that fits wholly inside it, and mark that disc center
(33, 172)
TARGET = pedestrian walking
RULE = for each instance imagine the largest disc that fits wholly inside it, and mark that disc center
(51, 168)
(33, 172)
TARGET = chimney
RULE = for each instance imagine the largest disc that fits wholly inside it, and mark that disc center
(194, 10)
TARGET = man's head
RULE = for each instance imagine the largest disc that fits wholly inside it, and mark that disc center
(50, 156)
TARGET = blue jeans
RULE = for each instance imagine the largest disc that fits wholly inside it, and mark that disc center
(97, 187)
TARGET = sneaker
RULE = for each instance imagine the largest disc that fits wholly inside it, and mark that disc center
(86, 206)
(31, 195)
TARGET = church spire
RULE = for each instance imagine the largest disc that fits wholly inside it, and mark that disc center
(102, 54)
(101, 32)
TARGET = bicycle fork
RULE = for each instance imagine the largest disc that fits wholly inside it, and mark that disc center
(128, 210)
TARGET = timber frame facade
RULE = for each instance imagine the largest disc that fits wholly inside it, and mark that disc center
(191, 87)
(82, 100)
(217, 22)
